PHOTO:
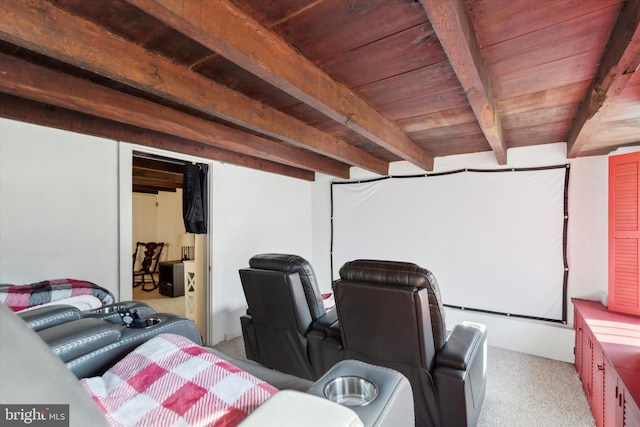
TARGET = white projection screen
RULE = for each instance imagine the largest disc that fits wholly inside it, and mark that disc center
(495, 240)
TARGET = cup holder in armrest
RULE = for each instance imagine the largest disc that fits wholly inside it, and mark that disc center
(380, 396)
(111, 312)
(151, 321)
(109, 309)
(350, 391)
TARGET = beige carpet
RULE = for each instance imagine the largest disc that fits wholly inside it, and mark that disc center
(522, 390)
(525, 390)
(160, 303)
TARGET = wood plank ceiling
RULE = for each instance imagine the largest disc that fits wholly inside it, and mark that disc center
(296, 87)
(151, 174)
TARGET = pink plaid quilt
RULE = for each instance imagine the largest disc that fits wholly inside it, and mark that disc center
(171, 381)
(329, 301)
(19, 297)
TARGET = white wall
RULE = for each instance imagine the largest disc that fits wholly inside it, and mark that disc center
(321, 224)
(170, 223)
(158, 218)
(253, 212)
(586, 244)
(58, 206)
(144, 216)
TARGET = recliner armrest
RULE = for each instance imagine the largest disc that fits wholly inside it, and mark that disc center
(79, 337)
(325, 322)
(460, 375)
(461, 346)
(289, 408)
(393, 406)
(48, 316)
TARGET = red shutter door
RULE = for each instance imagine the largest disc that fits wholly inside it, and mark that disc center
(624, 233)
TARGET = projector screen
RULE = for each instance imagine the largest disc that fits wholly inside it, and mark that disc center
(495, 240)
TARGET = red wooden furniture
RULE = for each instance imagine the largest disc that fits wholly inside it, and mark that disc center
(624, 233)
(607, 358)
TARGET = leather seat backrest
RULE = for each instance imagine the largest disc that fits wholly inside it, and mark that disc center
(276, 299)
(280, 318)
(286, 263)
(400, 302)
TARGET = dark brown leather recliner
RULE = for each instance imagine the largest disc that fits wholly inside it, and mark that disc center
(286, 326)
(391, 315)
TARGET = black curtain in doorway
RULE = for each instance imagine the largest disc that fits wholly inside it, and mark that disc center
(194, 198)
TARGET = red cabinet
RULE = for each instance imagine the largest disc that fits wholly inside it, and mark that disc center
(578, 350)
(624, 233)
(631, 412)
(607, 357)
(591, 370)
(611, 396)
(597, 397)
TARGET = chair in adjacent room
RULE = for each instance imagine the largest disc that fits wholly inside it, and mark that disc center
(391, 314)
(150, 253)
(286, 326)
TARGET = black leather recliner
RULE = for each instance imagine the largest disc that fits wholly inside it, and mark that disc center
(90, 345)
(391, 315)
(91, 341)
(286, 326)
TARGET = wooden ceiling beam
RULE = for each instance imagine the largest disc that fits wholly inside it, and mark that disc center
(620, 60)
(453, 26)
(144, 190)
(152, 185)
(157, 175)
(48, 30)
(224, 28)
(27, 80)
(147, 182)
(141, 162)
(38, 113)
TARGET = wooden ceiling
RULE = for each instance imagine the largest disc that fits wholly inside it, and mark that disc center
(302, 86)
(151, 174)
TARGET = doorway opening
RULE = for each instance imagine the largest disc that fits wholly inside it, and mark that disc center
(179, 278)
(158, 271)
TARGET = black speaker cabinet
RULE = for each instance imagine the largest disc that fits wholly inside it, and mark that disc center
(171, 278)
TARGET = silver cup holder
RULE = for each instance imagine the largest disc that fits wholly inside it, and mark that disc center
(351, 391)
(150, 321)
(109, 309)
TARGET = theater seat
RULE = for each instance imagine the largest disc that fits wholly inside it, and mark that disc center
(286, 326)
(391, 315)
